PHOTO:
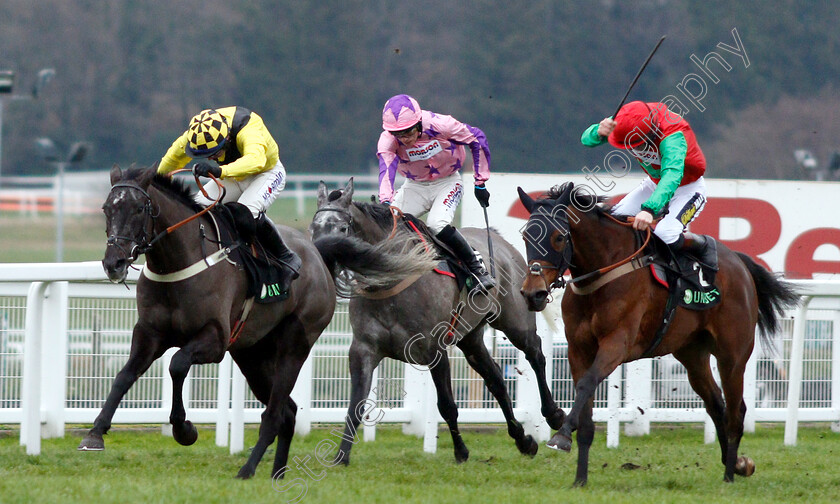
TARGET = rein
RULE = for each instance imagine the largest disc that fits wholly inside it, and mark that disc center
(142, 248)
(600, 276)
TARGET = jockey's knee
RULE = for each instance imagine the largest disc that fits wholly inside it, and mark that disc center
(437, 225)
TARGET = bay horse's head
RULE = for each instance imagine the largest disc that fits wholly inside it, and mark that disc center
(129, 219)
(333, 214)
(548, 244)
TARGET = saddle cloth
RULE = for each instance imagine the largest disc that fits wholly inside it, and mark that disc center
(263, 274)
(685, 277)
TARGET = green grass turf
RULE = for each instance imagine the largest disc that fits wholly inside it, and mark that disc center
(671, 465)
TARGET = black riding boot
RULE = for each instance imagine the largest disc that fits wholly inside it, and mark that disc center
(456, 241)
(703, 247)
(274, 245)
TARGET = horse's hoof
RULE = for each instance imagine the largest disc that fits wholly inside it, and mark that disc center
(462, 456)
(92, 442)
(342, 458)
(556, 419)
(246, 472)
(560, 442)
(185, 435)
(527, 446)
(579, 483)
(744, 467)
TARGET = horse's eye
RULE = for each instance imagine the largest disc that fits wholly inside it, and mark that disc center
(139, 210)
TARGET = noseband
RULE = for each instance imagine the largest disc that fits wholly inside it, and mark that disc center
(536, 269)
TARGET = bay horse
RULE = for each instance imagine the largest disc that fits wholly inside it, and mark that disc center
(618, 321)
(416, 322)
(191, 296)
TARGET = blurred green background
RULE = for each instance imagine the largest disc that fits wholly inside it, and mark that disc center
(32, 238)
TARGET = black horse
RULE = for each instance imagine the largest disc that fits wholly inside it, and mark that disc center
(198, 311)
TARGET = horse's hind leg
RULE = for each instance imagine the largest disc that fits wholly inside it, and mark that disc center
(479, 358)
(144, 351)
(200, 350)
(363, 361)
(285, 433)
(702, 380)
(446, 406)
(271, 368)
(732, 378)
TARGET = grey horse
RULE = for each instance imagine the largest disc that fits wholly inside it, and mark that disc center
(416, 323)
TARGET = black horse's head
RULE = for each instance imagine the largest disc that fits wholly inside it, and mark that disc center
(333, 214)
(129, 219)
(548, 244)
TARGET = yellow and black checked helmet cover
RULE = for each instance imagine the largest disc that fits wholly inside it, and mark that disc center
(207, 133)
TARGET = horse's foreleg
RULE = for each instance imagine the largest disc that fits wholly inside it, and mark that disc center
(144, 351)
(363, 361)
(530, 344)
(206, 347)
(480, 360)
(447, 407)
(585, 435)
(610, 355)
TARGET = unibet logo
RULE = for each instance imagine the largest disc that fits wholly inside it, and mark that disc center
(270, 291)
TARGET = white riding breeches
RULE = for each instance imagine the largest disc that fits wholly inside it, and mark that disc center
(256, 192)
(686, 204)
(440, 198)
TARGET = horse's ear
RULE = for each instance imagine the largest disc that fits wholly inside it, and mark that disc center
(526, 200)
(347, 194)
(322, 193)
(116, 174)
(147, 175)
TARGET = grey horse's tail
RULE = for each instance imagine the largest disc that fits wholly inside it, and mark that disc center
(377, 265)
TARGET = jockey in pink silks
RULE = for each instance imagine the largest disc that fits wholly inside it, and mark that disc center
(428, 149)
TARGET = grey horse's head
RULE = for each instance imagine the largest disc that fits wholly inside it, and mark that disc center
(333, 214)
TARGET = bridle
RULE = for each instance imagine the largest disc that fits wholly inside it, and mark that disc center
(145, 244)
(340, 211)
(535, 268)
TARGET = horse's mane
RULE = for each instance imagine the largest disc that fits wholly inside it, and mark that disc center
(562, 194)
(381, 214)
(177, 188)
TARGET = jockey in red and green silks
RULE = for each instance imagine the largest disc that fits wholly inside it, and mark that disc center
(665, 146)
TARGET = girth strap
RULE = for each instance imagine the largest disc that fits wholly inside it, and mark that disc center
(191, 270)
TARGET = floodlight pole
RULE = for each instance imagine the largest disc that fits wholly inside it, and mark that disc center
(7, 77)
(59, 226)
(50, 154)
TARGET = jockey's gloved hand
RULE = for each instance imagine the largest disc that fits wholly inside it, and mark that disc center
(202, 169)
(482, 195)
(386, 203)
